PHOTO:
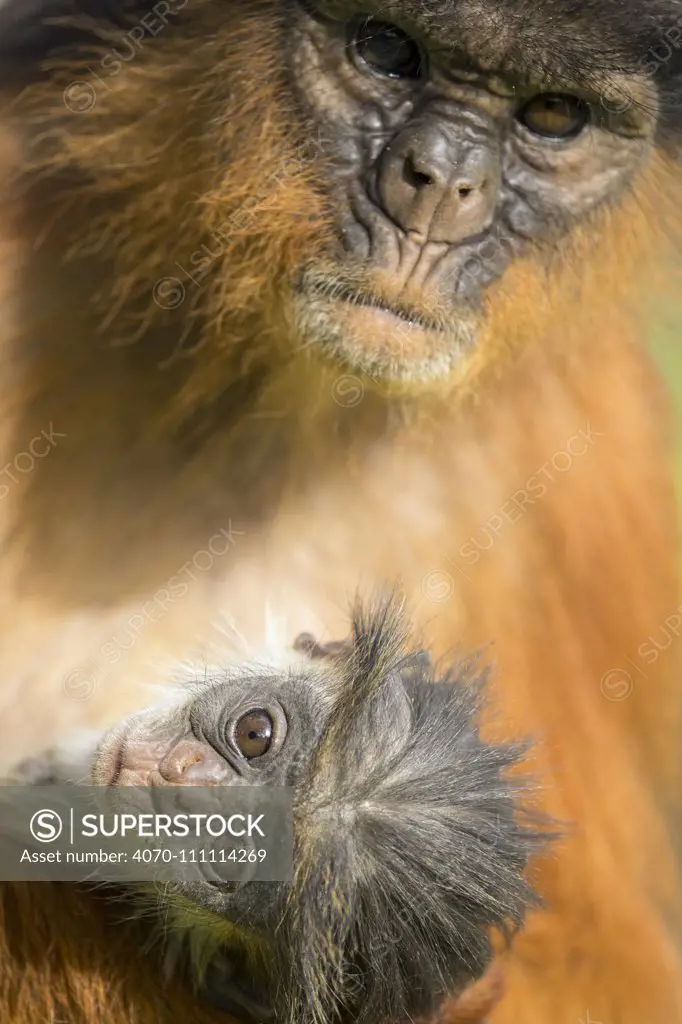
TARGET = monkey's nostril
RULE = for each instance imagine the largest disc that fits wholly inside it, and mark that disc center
(414, 177)
(191, 762)
(174, 769)
(422, 179)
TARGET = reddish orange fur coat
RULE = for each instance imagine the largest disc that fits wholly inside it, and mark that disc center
(566, 586)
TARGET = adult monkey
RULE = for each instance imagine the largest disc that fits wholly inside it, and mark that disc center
(407, 347)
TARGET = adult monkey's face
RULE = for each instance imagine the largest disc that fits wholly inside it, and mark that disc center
(457, 138)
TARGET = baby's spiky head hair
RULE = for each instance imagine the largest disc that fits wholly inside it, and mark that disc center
(410, 845)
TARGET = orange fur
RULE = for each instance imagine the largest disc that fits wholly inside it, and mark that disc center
(180, 423)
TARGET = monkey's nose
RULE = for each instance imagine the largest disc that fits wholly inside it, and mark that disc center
(440, 184)
(193, 763)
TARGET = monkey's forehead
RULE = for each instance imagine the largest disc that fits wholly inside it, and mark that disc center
(564, 35)
(575, 40)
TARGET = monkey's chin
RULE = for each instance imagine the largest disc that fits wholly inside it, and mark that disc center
(385, 345)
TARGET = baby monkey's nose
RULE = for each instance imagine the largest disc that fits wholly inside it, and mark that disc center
(193, 763)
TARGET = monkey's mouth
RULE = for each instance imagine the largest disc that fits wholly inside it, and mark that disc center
(383, 339)
(108, 760)
(124, 758)
(407, 314)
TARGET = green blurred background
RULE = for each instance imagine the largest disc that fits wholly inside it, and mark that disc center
(667, 351)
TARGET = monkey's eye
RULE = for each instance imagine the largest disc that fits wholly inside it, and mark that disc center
(253, 733)
(555, 115)
(386, 49)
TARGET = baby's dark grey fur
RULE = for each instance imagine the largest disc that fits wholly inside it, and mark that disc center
(410, 843)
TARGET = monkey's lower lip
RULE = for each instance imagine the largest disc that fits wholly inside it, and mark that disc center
(410, 317)
(396, 344)
(392, 319)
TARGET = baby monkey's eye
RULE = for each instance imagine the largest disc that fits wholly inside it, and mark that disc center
(555, 115)
(386, 49)
(253, 733)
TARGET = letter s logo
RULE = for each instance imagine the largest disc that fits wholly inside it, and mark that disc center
(46, 826)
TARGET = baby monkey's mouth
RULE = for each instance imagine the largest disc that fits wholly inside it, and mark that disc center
(126, 758)
(108, 758)
(161, 757)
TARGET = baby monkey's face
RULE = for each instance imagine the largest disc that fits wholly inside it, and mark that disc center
(408, 848)
(245, 730)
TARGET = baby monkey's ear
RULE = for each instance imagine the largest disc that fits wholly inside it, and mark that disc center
(306, 643)
(416, 667)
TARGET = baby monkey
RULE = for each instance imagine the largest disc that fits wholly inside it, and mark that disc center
(410, 846)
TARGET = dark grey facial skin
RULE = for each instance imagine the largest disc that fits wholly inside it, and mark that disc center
(409, 842)
(194, 744)
(435, 177)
